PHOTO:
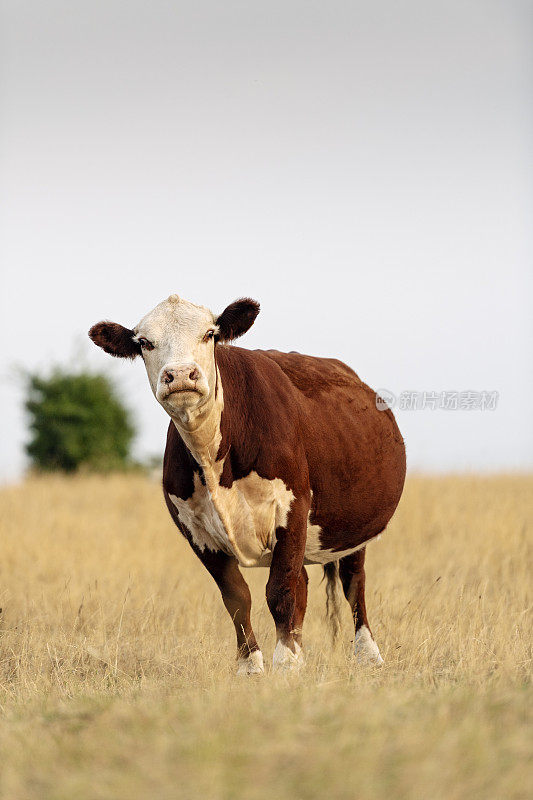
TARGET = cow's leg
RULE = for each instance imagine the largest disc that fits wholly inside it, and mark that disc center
(300, 607)
(237, 599)
(352, 575)
(284, 586)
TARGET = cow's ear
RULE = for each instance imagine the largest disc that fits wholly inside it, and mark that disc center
(236, 319)
(115, 339)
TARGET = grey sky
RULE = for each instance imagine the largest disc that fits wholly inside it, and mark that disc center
(363, 169)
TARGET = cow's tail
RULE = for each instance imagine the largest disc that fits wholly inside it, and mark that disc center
(334, 597)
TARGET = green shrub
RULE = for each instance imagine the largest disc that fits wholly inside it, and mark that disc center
(77, 420)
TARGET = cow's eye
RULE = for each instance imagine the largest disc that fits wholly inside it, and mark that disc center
(145, 344)
(209, 335)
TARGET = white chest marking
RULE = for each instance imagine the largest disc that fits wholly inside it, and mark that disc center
(240, 520)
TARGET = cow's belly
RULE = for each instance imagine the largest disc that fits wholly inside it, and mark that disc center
(240, 520)
(315, 553)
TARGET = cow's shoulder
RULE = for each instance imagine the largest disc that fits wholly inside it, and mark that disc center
(260, 428)
(313, 375)
(252, 374)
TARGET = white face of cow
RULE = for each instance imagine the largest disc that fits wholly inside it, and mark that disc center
(177, 341)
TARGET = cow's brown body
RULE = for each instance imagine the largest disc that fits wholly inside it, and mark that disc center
(315, 425)
(272, 459)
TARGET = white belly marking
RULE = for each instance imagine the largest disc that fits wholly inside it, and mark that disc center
(240, 520)
(316, 554)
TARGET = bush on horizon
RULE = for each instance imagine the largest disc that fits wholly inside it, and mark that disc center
(76, 420)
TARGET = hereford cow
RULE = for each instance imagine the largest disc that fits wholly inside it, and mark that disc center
(272, 459)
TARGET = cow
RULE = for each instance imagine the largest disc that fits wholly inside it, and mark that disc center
(272, 459)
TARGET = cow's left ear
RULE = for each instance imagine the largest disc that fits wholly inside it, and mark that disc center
(236, 319)
(115, 339)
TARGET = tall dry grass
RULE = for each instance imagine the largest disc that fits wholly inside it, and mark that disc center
(117, 655)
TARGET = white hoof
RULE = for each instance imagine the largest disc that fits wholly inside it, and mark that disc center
(285, 660)
(366, 650)
(252, 664)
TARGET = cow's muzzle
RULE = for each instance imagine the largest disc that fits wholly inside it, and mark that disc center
(177, 379)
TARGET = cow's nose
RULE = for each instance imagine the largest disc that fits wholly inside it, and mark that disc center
(181, 378)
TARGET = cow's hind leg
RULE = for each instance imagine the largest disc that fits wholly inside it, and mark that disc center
(238, 601)
(300, 607)
(352, 575)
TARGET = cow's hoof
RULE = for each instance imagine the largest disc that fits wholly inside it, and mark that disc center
(252, 664)
(285, 660)
(366, 651)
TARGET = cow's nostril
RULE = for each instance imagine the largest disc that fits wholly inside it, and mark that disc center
(194, 374)
(168, 377)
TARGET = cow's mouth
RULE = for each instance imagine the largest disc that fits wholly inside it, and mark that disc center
(182, 393)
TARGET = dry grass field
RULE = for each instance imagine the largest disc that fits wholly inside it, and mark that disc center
(117, 656)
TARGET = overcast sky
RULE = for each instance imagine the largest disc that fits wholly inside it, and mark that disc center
(363, 169)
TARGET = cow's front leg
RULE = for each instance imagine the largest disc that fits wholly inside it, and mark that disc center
(282, 590)
(237, 599)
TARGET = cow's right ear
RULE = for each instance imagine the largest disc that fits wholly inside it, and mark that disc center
(115, 339)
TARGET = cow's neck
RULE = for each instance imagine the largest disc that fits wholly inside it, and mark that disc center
(201, 430)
